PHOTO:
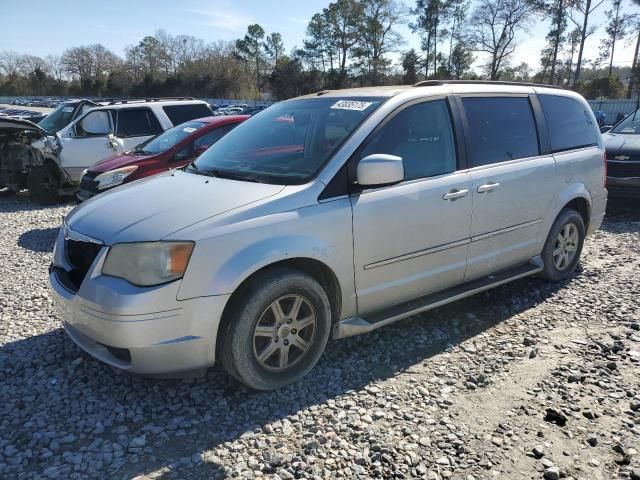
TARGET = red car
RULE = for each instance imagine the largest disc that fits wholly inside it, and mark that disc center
(173, 148)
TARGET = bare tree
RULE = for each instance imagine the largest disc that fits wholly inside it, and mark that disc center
(495, 25)
(56, 67)
(10, 63)
(581, 11)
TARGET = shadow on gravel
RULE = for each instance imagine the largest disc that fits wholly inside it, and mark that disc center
(22, 203)
(38, 239)
(623, 215)
(48, 384)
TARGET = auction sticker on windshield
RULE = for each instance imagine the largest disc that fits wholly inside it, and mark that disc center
(351, 105)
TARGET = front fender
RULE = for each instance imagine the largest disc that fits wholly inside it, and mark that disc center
(323, 232)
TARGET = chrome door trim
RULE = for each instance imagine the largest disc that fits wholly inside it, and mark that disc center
(419, 253)
(505, 230)
(447, 246)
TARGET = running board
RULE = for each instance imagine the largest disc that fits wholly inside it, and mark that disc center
(379, 318)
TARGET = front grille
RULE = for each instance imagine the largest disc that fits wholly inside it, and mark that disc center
(80, 255)
(623, 169)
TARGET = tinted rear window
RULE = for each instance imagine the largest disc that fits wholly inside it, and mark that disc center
(500, 129)
(182, 113)
(571, 124)
(137, 123)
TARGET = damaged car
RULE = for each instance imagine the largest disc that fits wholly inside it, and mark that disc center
(29, 152)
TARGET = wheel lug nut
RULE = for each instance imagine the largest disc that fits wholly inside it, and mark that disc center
(289, 321)
(294, 331)
(286, 342)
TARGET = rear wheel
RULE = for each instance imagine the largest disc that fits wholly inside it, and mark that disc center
(277, 331)
(44, 183)
(561, 252)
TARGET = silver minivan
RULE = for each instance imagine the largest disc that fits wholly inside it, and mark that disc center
(331, 214)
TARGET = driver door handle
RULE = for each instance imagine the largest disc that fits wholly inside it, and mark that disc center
(487, 187)
(455, 194)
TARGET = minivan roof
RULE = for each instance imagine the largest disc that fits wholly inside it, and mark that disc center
(444, 86)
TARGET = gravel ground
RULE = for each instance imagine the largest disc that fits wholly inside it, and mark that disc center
(529, 381)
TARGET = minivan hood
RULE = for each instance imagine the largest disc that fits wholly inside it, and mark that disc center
(616, 143)
(154, 207)
(117, 161)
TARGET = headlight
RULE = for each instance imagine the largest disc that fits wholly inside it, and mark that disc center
(114, 177)
(148, 263)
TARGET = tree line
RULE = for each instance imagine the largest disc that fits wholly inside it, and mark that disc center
(352, 43)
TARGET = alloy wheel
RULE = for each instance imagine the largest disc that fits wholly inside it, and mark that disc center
(566, 246)
(284, 333)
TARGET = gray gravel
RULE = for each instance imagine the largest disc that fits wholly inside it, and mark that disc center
(531, 380)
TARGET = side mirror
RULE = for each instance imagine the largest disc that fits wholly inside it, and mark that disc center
(379, 170)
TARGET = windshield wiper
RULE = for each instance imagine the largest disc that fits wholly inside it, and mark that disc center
(233, 176)
(222, 174)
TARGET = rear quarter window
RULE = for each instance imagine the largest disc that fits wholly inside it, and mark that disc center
(571, 123)
(181, 113)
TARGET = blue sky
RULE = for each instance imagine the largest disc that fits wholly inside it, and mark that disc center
(41, 27)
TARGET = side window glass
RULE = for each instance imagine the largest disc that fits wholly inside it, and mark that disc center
(94, 124)
(571, 125)
(500, 129)
(137, 123)
(422, 135)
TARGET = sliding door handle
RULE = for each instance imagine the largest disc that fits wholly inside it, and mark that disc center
(487, 187)
(455, 194)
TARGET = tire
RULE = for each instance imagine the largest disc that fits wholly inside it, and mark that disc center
(556, 268)
(43, 183)
(251, 329)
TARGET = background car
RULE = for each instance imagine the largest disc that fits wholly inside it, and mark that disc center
(173, 148)
(622, 144)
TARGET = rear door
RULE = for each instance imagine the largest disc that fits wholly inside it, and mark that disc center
(135, 125)
(513, 184)
(411, 239)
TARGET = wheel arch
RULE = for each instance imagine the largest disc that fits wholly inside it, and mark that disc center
(316, 269)
(574, 196)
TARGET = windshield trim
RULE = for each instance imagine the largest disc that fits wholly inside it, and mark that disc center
(285, 180)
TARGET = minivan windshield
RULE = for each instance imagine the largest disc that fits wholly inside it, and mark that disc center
(288, 142)
(168, 139)
(630, 125)
(59, 118)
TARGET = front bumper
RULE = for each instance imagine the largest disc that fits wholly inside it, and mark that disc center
(142, 330)
(624, 187)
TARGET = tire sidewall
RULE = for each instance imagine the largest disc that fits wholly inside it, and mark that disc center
(550, 271)
(241, 332)
(35, 180)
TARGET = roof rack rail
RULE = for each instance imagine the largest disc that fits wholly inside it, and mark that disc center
(141, 100)
(433, 83)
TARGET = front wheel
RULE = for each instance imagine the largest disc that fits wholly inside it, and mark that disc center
(561, 252)
(277, 331)
(44, 183)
